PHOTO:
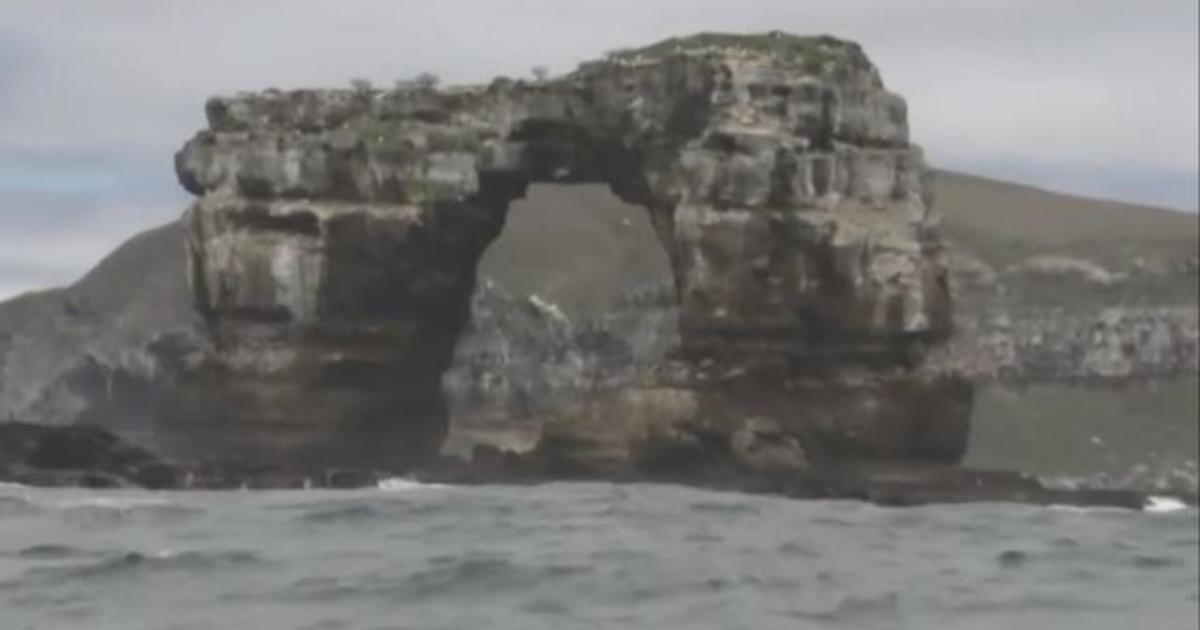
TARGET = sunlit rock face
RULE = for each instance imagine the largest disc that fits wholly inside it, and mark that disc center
(334, 245)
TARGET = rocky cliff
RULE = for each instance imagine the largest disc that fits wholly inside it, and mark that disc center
(334, 246)
(334, 250)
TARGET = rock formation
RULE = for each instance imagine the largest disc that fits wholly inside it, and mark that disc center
(333, 249)
(332, 265)
(79, 455)
(1070, 320)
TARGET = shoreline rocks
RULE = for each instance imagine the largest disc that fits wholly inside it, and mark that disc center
(89, 457)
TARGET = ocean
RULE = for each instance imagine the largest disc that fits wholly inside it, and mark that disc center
(580, 555)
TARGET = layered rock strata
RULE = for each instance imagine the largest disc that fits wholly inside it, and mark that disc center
(333, 248)
(1062, 319)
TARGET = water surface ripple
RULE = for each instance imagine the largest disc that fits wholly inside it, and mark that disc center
(564, 556)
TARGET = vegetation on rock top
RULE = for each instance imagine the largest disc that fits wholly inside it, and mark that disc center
(813, 52)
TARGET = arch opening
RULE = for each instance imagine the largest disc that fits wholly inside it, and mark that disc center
(576, 295)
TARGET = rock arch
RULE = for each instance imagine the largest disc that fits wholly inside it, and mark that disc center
(334, 244)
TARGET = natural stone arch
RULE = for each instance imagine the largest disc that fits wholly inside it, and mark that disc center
(334, 245)
(574, 299)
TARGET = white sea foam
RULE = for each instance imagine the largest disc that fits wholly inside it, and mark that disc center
(1164, 504)
(115, 503)
(404, 484)
(1095, 509)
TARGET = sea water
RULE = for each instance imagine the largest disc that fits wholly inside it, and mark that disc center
(573, 555)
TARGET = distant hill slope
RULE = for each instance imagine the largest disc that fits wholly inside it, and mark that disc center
(1002, 223)
(140, 284)
(578, 246)
(65, 353)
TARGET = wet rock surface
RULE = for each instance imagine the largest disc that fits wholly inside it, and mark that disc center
(761, 459)
(80, 455)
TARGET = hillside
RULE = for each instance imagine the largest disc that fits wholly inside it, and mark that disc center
(1002, 223)
(73, 352)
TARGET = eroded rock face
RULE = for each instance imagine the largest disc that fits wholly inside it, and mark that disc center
(333, 248)
(332, 322)
(818, 424)
(1057, 319)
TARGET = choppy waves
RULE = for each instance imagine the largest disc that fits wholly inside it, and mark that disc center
(580, 556)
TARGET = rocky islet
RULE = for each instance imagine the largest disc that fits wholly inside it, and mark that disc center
(333, 251)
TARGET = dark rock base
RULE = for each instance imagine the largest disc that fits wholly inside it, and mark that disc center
(89, 457)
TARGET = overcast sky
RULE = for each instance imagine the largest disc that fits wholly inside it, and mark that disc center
(1095, 97)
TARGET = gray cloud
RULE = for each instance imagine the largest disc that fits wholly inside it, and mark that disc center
(1094, 97)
